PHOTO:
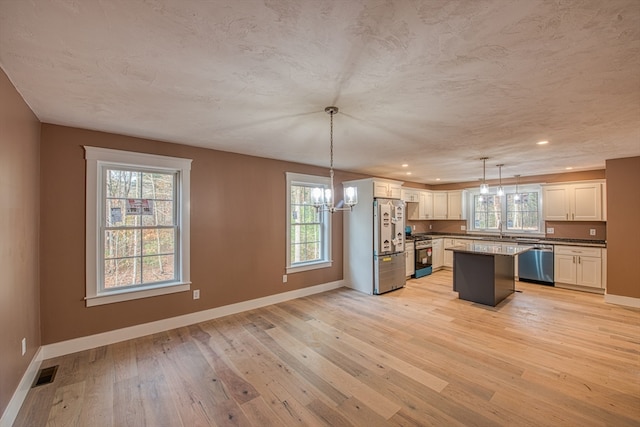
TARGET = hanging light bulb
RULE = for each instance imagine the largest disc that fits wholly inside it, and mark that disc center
(484, 188)
(517, 195)
(321, 198)
(500, 189)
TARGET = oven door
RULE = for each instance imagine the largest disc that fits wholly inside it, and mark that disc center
(424, 257)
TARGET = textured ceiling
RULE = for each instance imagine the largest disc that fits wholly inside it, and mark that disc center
(435, 84)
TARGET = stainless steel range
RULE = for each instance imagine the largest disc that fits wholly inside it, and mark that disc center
(424, 256)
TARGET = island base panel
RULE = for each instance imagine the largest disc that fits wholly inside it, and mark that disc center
(485, 279)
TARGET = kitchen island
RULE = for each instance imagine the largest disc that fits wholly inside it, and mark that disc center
(485, 273)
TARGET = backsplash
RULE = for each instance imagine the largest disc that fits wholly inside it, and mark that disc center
(577, 230)
(561, 229)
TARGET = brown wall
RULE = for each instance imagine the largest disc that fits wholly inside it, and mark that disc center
(19, 227)
(623, 231)
(237, 233)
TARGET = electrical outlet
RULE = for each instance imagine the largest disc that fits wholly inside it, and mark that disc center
(196, 294)
(592, 232)
(414, 228)
(24, 346)
(550, 230)
(430, 227)
(284, 278)
(463, 227)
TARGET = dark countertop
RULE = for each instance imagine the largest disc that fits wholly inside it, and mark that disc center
(515, 239)
(482, 249)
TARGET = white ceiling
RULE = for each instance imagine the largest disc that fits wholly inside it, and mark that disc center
(435, 84)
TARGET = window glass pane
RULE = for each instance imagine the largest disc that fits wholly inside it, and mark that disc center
(122, 184)
(122, 243)
(157, 242)
(160, 213)
(115, 213)
(157, 268)
(157, 186)
(122, 272)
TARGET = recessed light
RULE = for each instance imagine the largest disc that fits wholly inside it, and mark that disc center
(405, 165)
(542, 142)
(568, 168)
(437, 179)
(408, 173)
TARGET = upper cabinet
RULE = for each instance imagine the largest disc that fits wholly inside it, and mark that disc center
(410, 195)
(426, 204)
(573, 202)
(449, 204)
(390, 189)
(419, 203)
(440, 207)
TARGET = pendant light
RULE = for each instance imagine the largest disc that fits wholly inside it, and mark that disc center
(484, 188)
(517, 195)
(500, 189)
(323, 199)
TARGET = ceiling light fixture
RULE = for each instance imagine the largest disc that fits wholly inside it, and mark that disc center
(484, 188)
(322, 198)
(500, 189)
(517, 196)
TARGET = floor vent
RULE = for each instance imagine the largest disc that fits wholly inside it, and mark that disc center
(46, 376)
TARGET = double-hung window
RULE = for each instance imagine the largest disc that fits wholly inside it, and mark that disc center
(308, 229)
(137, 225)
(512, 213)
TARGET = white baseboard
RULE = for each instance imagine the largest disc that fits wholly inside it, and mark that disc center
(622, 300)
(11, 412)
(105, 338)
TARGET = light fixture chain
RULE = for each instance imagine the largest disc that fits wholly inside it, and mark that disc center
(331, 139)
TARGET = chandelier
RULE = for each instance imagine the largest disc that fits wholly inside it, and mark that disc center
(323, 198)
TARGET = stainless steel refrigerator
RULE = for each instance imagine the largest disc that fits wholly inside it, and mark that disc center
(389, 259)
(374, 239)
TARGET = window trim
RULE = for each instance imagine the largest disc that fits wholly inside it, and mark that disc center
(303, 179)
(508, 189)
(96, 159)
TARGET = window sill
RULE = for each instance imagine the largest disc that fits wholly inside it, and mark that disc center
(132, 294)
(310, 266)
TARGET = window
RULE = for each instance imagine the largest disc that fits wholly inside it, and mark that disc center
(522, 214)
(487, 212)
(308, 230)
(137, 225)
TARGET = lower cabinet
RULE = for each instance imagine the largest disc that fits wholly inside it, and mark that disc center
(437, 261)
(578, 266)
(410, 258)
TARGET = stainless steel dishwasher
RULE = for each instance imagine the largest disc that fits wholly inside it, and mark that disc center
(536, 265)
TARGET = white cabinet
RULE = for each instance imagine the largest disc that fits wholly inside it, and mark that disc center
(449, 204)
(573, 202)
(426, 205)
(455, 205)
(410, 195)
(448, 255)
(390, 189)
(437, 261)
(580, 266)
(440, 207)
(410, 258)
(419, 203)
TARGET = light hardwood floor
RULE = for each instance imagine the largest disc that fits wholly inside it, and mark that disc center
(413, 357)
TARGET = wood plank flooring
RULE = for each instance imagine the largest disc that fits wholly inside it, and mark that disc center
(418, 356)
